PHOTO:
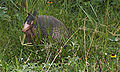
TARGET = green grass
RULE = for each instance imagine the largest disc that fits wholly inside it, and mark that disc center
(95, 34)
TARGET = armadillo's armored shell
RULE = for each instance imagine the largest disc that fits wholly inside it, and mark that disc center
(55, 27)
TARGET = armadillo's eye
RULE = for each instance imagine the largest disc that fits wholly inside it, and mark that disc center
(28, 22)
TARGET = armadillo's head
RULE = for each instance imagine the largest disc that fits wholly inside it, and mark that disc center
(28, 24)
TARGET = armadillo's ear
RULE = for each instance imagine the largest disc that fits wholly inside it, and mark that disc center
(35, 12)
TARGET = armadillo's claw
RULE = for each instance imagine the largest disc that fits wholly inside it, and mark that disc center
(27, 44)
(22, 41)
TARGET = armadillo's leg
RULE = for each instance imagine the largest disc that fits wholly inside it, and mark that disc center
(33, 36)
(22, 42)
(28, 37)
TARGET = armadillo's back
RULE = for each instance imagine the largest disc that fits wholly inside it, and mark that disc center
(53, 26)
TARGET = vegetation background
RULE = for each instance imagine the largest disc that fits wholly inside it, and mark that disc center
(94, 45)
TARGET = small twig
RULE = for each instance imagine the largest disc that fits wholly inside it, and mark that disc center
(84, 28)
(100, 62)
(91, 40)
(26, 61)
(117, 30)
(46, 62)
(27, 6)
(114, 34)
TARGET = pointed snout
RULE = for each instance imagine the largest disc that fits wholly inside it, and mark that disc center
(23, 30)
(26, 27)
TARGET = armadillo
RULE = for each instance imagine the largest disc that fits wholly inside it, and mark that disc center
(48, 25)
